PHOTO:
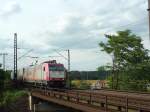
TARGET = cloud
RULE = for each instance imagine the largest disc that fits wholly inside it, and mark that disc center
(9, 9)
(73, 32)
(80, 31)
(77, 25)
(5, 44)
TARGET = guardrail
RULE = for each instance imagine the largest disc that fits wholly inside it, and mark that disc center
(106, 101)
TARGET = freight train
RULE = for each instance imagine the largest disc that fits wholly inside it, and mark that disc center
(48, 73)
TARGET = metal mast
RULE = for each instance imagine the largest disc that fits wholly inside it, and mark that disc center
(68, 60)
(15, 56)
(69, 80)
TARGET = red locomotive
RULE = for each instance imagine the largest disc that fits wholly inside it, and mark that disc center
(48, 73)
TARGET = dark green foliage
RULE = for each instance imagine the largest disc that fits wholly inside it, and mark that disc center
(126, 48)
(88, 75)
(2, 78)
(131, 68)
(8, 96)
(11, 96)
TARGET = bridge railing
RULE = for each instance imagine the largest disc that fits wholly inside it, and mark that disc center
(107, 101)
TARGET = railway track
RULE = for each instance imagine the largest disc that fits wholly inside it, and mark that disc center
(32, 86)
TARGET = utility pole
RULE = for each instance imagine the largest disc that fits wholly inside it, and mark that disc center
(3, 54)
(68, 60)
(69, 81)
(15, 56)
(149, 15)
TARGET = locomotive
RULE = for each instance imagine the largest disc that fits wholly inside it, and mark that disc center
(48, 73)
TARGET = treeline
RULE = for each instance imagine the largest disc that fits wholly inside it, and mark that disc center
(8, 94)
(4, 78)
(89, 75)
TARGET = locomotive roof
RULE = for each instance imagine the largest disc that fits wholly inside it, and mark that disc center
(51, 61)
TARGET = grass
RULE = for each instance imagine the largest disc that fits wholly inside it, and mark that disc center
(82, 84)
(10, 96)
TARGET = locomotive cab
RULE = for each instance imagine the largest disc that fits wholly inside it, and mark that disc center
(55, 74)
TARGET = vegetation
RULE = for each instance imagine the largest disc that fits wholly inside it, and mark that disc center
(3, 77)
(11, 96)
(131, 63)
(82, 84)
(8, 94)
(89, 75)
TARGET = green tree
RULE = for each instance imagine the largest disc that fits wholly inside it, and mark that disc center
(103, 68)
(2, 77)
(129, 55)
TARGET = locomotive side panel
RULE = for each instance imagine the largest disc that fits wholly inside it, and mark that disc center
(45, 74)
(37, 73)
(20, 74)
(28, 76)
(33, 74)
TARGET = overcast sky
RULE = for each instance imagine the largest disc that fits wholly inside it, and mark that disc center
(78, 25)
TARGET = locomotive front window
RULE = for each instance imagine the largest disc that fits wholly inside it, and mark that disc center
(56, 68)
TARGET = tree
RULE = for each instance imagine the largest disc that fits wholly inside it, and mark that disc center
(103, 68)
(2, 77)
(129, 54)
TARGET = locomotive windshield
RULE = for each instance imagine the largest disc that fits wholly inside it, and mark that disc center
(56, 68)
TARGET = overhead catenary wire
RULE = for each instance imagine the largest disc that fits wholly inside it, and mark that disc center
(25, 54)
